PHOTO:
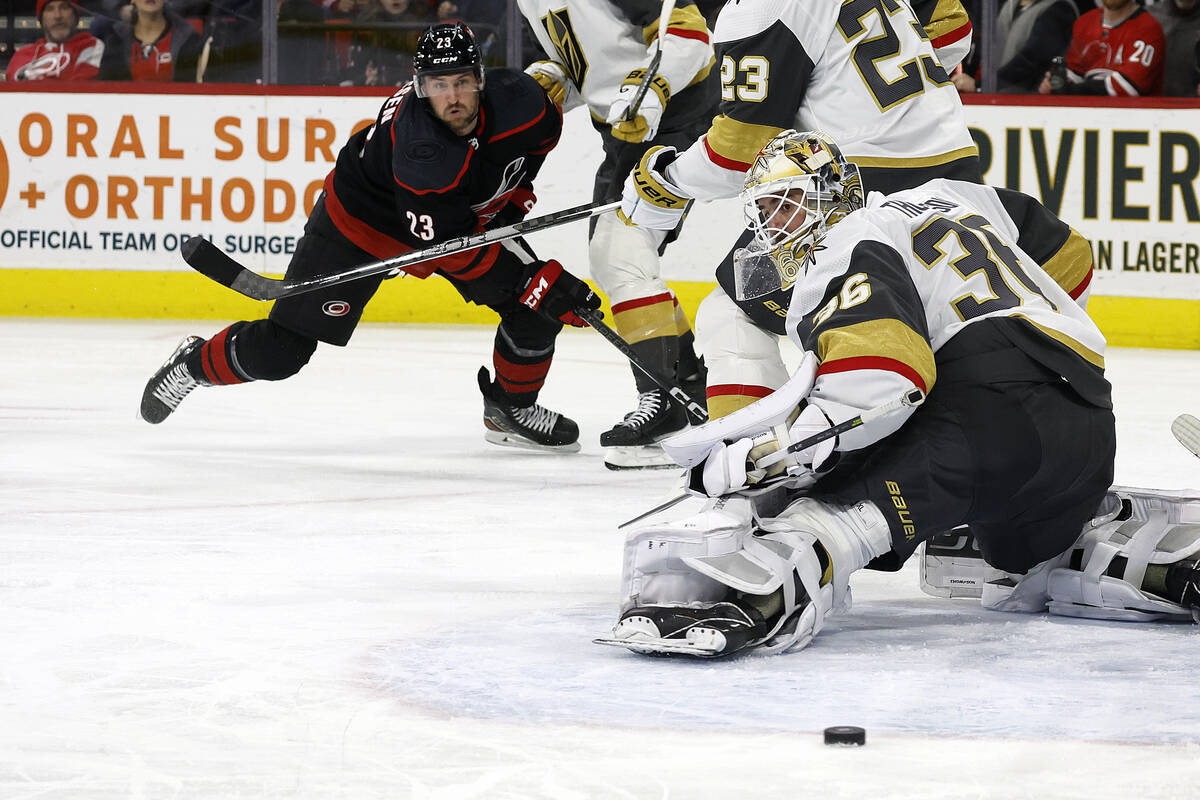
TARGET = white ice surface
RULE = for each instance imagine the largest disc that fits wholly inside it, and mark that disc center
(331, 587)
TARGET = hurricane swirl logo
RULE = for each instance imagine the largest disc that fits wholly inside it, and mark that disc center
(336, 308)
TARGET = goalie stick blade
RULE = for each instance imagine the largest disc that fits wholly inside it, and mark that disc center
(664, 647)
(207, 259)
(1187, 430)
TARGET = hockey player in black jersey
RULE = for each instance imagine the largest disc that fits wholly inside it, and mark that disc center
(451, 153)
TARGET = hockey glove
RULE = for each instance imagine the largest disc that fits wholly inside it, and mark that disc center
(552, 77)
(555, 293)
(644, 124)
(649, 199)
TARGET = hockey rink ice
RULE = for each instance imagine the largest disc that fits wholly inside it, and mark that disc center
(332, 587)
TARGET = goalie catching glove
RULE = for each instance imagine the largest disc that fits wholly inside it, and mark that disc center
(555, 293)
(649, 199)
(644, 124)
(731, 467)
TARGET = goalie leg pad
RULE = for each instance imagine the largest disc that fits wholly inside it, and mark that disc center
(1104, 574)
(806, 554)
(654, 570)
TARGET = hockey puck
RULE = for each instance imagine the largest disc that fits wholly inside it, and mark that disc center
(845, 734)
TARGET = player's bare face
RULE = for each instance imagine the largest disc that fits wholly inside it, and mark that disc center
(454, 100)
(785, 214)
(58, 21)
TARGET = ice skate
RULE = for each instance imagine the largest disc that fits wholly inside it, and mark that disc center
(633, 442)
(706, 631)
(173, 381)
(531, 427)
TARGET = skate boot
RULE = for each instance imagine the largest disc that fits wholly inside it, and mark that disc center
(166, 390)
(707, 631)
(530, 427)
(1183, 585)
(633, 442)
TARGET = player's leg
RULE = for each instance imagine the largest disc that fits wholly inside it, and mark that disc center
(521, 357)
(277, 347)
(624, 262)
(1137, 559)
(719, 581)
(743, 359)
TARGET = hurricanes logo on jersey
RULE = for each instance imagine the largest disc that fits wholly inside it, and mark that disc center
(566, 44)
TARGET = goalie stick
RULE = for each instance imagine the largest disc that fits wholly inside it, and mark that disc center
(696, 412)
(207, 259)
(913, 397)
(1187, 430)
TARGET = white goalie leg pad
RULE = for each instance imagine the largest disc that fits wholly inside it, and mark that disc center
(654, 570)
(772, 413)
(851, 536)
(1100, 576)
(624, 260)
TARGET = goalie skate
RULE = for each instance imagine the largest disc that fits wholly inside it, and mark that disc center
(703, 631)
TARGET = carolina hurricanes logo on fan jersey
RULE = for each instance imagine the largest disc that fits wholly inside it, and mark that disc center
(44, 66)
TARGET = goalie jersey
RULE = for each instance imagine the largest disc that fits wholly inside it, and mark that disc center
(865, 72)
(894, 281)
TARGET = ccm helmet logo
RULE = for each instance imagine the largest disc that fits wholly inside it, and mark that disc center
(336, 308)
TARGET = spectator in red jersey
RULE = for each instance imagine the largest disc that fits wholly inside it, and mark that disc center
(62, 54)
(156, 44)
(1117, 49)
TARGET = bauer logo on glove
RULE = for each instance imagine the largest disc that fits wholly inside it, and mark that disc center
(649, 198)
(640, 124)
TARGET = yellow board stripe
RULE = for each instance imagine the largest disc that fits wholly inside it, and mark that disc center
(135, 294)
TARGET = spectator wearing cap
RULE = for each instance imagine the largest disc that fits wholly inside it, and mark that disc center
(155, 44)
(63, 52)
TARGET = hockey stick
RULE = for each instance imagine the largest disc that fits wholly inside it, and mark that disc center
(696, 412)
(207, 259)
(913, 397)
(1187, 430)
(664, 19)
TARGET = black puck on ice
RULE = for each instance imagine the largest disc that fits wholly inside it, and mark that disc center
(845, 734)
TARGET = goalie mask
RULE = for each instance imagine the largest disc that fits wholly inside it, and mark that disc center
(799, 185)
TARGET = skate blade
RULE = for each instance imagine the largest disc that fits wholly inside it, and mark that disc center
(504, 439)
(662, 646)
(638, 457)
(1187, 430)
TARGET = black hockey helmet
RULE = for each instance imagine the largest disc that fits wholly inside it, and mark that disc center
(445, 49)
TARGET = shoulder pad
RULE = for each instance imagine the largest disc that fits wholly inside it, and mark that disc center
(514, 101)
(427, 157)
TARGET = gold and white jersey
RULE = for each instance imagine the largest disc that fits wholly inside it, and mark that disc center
(598, 43)
(893, 282)
(862, 71)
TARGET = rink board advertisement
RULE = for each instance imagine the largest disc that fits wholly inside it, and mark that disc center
(99, 189)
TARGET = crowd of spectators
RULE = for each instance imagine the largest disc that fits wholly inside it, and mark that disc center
(1098, 47)
(321, 42)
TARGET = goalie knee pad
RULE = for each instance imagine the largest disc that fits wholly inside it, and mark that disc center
(1121, 567)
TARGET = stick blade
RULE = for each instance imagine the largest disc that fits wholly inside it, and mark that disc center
(1187, 430)
(208, 259)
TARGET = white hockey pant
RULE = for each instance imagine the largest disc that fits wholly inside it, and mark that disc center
(698, 559)
(736, 351)
(1100, 576)
(624, 260)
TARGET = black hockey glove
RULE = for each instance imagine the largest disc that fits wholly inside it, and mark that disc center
(555, 293)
